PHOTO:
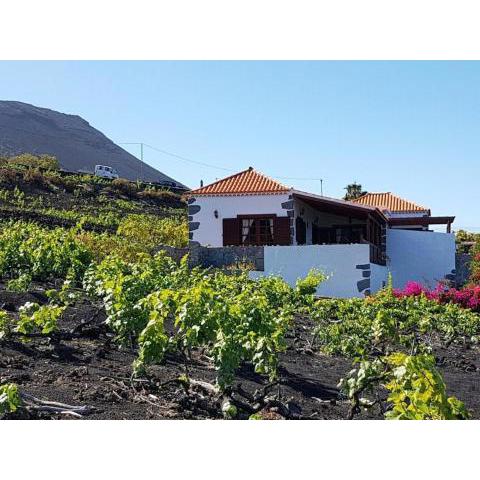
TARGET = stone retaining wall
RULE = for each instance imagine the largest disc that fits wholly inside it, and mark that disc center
(218, 256)
(176, 253)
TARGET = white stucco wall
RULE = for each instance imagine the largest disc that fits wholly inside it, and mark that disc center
(379, 277)
(340, 262)
(424, 257)
(210, 230)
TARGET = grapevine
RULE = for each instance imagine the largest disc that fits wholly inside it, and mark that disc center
(416, 388)
(390, 338)
(9, 398)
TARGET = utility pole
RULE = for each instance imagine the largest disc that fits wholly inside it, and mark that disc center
(321, 187)
(141, 159)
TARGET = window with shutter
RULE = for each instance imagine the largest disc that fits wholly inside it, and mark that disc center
(256, 230)
(281, 229)
(231, 231)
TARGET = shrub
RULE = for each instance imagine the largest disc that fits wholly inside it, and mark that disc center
(468, 242)
(416, 388)
(150, 231)
(20, 284)
(358, 327)
(26, 248)
(34, 177)
(241, 265)
(475, 265)
(65, 183)
(9, 398)
(8, 176)
(233, 317)
(100, 245)
(414, 289)
(467, 297)
(124, 186)
(465, 240)
(43, 318)
(48, 162)
(158, 195)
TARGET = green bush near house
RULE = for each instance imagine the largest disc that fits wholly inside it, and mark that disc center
(151, 232)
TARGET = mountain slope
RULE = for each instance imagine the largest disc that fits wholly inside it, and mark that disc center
(77, 145)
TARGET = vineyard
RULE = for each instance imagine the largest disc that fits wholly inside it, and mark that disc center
(95, 324)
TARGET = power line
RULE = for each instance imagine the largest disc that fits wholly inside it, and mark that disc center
(141, 155)
(181, 157)
(209, 165)
(295, 178)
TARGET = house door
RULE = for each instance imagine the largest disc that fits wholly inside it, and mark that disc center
(301, 231)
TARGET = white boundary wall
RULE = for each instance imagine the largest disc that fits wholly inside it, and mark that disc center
(379, 277)
(424, 257)
(346, 266)
(210, 230)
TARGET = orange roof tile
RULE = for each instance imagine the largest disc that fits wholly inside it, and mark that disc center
(388, 201)
(248, 182)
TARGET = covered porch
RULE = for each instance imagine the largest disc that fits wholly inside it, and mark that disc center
(319, 220)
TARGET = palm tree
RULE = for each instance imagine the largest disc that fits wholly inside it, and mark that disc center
(354, 190)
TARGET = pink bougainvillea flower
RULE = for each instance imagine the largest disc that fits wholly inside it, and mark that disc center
(467, 297)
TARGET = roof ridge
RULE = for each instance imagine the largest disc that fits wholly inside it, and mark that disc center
(257, 182)
(269, 178)
(223, 179)
(409, 206)
(376, 193)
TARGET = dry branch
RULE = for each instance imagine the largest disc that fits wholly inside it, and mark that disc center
(32, 403)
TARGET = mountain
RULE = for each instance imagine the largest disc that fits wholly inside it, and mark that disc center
(77, 145)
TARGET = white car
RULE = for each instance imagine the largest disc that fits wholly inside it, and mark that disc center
(105, 172)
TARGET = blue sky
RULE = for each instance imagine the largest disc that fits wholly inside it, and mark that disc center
(412, 128)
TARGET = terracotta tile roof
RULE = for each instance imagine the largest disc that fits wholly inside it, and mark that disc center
(248, 182)
(389, 201)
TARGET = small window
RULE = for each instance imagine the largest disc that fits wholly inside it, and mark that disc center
(257, 231)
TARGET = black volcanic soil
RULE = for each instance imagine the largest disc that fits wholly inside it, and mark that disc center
(85, 367)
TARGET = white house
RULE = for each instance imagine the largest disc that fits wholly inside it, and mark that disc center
(355, 243)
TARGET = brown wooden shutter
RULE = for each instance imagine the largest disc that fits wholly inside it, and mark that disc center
(231, 231)
(281, 231)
